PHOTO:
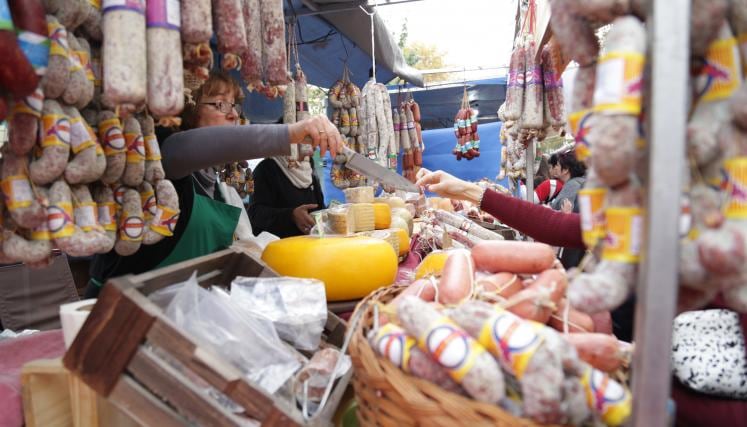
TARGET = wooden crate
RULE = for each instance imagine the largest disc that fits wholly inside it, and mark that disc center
(118, 353)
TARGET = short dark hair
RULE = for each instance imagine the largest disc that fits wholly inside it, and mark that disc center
(567, 160)
(553, 160)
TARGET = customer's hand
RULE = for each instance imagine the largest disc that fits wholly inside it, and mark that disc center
(317, 131)
(446, 185)
(303, 219)
(566, 206)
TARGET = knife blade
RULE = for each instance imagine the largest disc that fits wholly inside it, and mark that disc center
(364, 166)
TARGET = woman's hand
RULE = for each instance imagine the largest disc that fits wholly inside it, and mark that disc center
(303, 219)
(317, 131)
(448, 186)
(566, 206)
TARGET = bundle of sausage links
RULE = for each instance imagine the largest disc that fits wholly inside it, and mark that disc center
(494, 325)
(606, 121)
(409, 136)
(345, 99)
(76, 176)
(465, 130)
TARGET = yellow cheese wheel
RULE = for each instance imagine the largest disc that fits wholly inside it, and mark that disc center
(404, 241)
(382, 216)
(350, 267)
(432, 264)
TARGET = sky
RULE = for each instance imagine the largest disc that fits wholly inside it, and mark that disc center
(471, 33)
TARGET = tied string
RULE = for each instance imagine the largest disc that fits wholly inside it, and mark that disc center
(373, 43)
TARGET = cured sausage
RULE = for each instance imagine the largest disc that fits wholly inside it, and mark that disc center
(131, 224)
(107, 211)
(92, 23)
(532, 114)
(228, 20)
(18, 248)
(33, 36)
(124, 52)
(17, 75)
(89, 88)
(166, 213)
(54, 141)
(81, 169)
(24, 122)
(153, 167)
(70, 13)
(705, 24)
(70, 238)
(77, 89)
(457, 279)
(20, 199)
(497, 256)
(602, 11)
(602, 351)
(165, 75)
(514, 104)
(58, 65)
(537, 367)
(553, 86)
(476, 371)
(538, 300)
(274, 56)
(197, 21)
(393, 343)
(115, 146)
(574, 33)
(86, 218)
(251, 58)
(134, 171)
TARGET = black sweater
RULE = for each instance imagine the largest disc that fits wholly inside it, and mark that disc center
(275, 197)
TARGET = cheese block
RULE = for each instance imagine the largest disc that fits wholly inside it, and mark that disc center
(341, 220)
(390, 236)
(350, 267)
(382, 216)
(359, 195)
(365, 220)
(404, 240)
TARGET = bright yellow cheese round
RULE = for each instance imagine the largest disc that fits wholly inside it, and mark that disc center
(432, 264)
(404, 241)
(382, 216)
(350, 267)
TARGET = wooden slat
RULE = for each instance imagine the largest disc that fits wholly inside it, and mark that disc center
(172, 386)
(46, 400)
(109, 337)
(157, 279)
(138, 403)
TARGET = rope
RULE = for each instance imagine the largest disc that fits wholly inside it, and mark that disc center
(373, 44)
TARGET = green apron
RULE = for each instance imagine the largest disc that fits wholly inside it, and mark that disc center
(210, 228)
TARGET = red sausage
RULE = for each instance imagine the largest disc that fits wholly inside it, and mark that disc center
(457, 277)
(497, 256)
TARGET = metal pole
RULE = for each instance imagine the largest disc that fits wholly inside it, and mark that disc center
(531, 152)
(668, 59)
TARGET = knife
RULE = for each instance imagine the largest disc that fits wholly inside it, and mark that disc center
(364, 166)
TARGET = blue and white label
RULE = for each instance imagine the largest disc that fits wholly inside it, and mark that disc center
(36, 49)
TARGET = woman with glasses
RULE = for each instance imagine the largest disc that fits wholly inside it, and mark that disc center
(211, 137)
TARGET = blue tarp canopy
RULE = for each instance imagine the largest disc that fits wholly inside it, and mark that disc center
(437, 156)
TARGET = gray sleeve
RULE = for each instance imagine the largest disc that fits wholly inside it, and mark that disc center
(185, 152)
(568, 192)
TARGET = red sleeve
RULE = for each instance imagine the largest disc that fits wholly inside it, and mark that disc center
(536, 221)
(543, 191)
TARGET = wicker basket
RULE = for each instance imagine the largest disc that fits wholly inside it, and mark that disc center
(388, 397)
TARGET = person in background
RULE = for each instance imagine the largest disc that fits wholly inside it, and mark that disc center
(211, 137)
(571, 172)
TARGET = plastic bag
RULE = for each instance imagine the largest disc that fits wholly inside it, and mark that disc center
(336, 220)
(297, 307)
(248, 341)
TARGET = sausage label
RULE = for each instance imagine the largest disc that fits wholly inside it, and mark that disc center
(619, 85)
(60, 220)
(110, 133)
(36, 49)
(451, 347)
(606, 397)
(85, 61)
(6, 23)
(41, 232)
(131, 5)
(623, 240)
(31, 104)
(17, 190)
(736, 186)
(148, 200)
(107, 216)
(163, 14)
(131, 227)
(80, 138)
(86, 216)
(74, 60)
(579, 124)
(720, 77)
(164, 221)
(58, 39)
(742, 40)
(591, 208)
(55, 130)
(392, 342)
(119, 194)
(152, 150)
(95, 64)
(95, 3)
(511, 339)
(135, 147)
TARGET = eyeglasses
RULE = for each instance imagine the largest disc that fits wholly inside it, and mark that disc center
(224, 106)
